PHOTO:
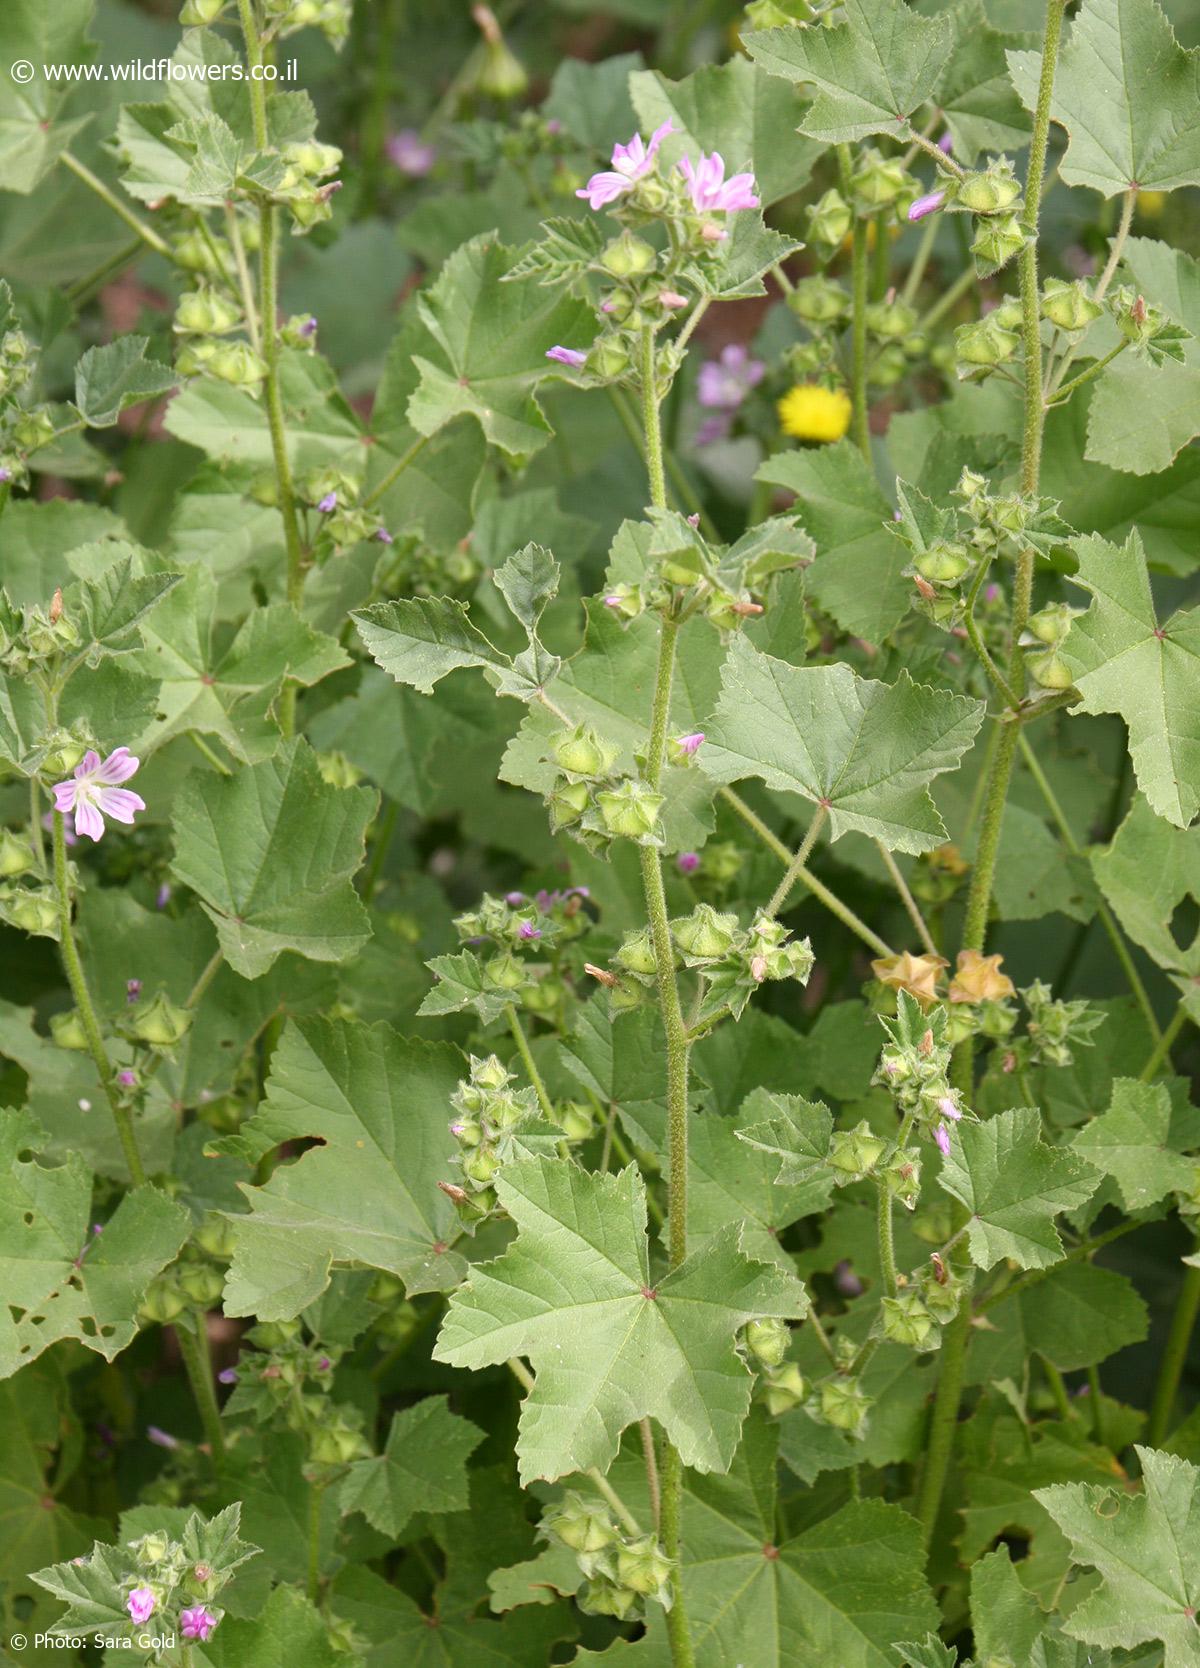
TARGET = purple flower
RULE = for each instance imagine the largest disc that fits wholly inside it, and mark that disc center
(328, 503)
(5, 475)
(127, 1079)
(527, 930)
(687, 862)
(845, 1279)
(942, 1136)
(324, 1364)
(672, 299)
(384, 537)
(690, 744)
(163, 896)
(992, 593)
(948, 1107)
(94, 791)
(309, 328)
(613, 602)
(410, 153)
(514, 900)
(196, 1622)
(227, 1375)
(133, 989)
(723, 383)
(629, 164)
(946, 144)
(711, 192)
(928, 204)
(160, 1439)
(140, 1604)
(567, 356)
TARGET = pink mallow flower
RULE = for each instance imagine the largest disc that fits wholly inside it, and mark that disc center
(410, 153)
(630, 163)
(94, 793)
(690, 744)
(196, 1622)
(687, 862)
(723, 383)
(711, 192)
(567, 356)
(140, 1604)
(942, 1136)
(928, 204)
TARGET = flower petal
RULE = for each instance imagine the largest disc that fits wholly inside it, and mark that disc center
(88, 819)
(119, 803)
(89, 763)
(119, 766)
(64, 796)
(603, 189)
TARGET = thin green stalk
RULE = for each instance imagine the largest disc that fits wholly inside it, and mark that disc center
(87, 1013)
(975, 637)
(1116, 250)
(822, 1337)
(245, 283)
(1096, 1407)
(313, 1584)
(83, 287)
(1092, 371)
(962, 285)
(858, 339)
(268, 307)
(35, 824)
(920, 260)
(1183, 1321)
(1165, 1043)
(819, 890)
(394, 473)
(1058, 1390)
(526, 1380)
(1107, 919)
(911, 905)
(881, 261)
(1077, 1254)
(206, 752)
(193, 1348)
(379, 850)
(887, 1239)
(945, 163)
(797, 865)
(527, 1060)
(147, 233)
(671, 1513)
(939, 1443)
(650, 1459)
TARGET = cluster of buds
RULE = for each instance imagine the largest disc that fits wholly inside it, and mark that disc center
(1146, 326)
(1069, 306)
(196, 1279)
(988, 342)
(23, 428)
(733, 960)
(992, 195)
(643, 287)
(283, 1382)
(39, 636)
(333, 497)
(32, 908)
(1053, 1029)
(622, 1571)
(520, 929)
(203, 320)
(780, 1385)
(823, 305)
(488, 1114)
(303, 186)
(411, 567)
(914, 1066)
(1045, 633)
(593, 799)
(332, 17)
(163, 1578)
(939, 874)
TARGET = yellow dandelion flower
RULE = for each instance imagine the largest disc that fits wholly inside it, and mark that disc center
(810, 412)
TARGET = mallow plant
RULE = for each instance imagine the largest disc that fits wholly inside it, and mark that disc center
(599, 767)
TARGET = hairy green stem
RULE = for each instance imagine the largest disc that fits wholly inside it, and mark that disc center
(193, 1349)
(268, 307)
(316, 1493)
(77, 980)
(394, 473)
(1170, 1372)
(819, 890)
(1092, 371)
(35, 824)
(245, 284)
(147, 233)
(650, 1459)
(939, 1443)
(858, 339)
(527, 1060)
(671, 1478)
(1165, 1043)
(1106, 917)
(796, 866)
(911, 906)
(1058, 1389)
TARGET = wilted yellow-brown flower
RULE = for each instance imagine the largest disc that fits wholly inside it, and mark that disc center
(918, 975)
(978, 979)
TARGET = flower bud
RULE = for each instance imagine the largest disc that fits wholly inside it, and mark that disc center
(16, 856)
(829, 219)
(943, 564)
(902, 1176)
(636, 954)
(853, 1153)
(991, 191)
(201, 1283)
(643, 1567)
(906, 1320)
(630, 811)
(313, 158)
(151, 1549)
(491, 1074)
(878, 180)
(985, 343)
(198, 14)
(32, 912)
(782, 1388)
(574, 1119)
(608, 359)
(480, 1165)
(1069, 306)
(504, 972)
(503, 75)
(581, 1526)
(214, 1236)
(1050, 671)
(204, 312)
(568, 801)
(1051, 624)
(818, 300)
(768, 1340)
(628, 256)
(67, 1030)
(161, 1023)
(890, 319)
(163, 1302)
(237, 363)
(998, 240)
(844, 1404)
(466, 1131)
(705, 934)
(602, 1597)
(583, 753)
